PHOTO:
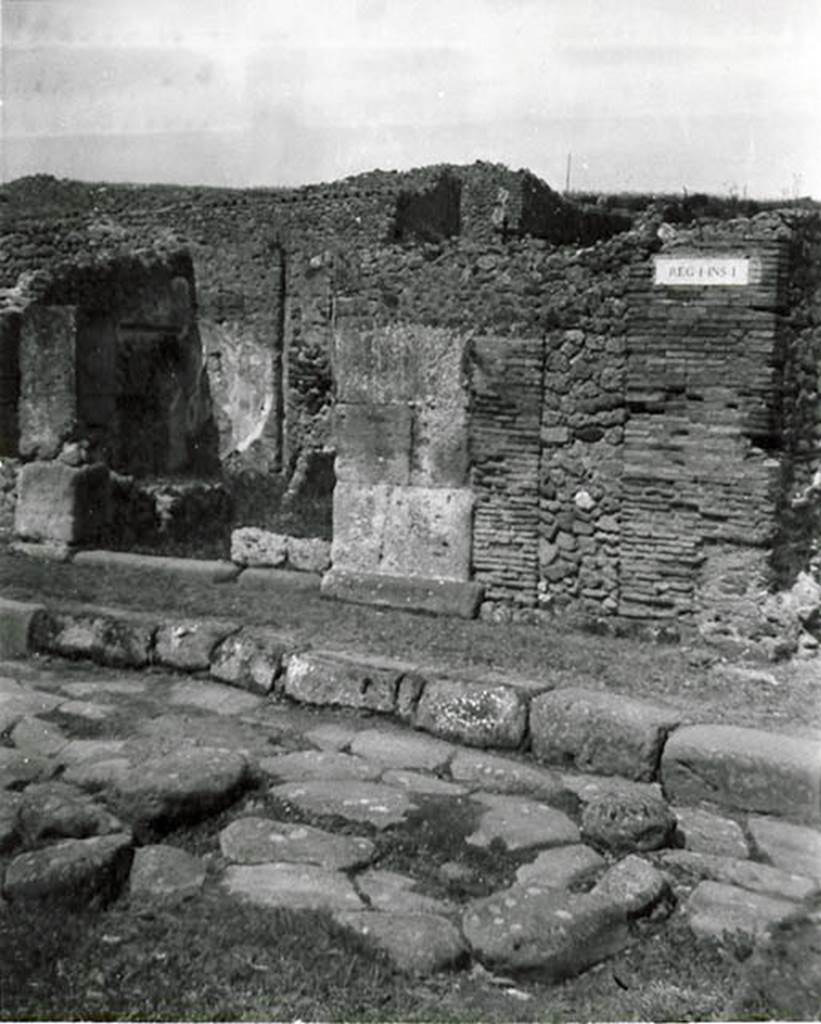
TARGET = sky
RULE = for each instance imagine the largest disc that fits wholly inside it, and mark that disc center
(722, 96)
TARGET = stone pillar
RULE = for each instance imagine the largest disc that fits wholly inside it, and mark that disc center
(48, 380)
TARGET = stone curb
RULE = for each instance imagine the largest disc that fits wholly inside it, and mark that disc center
(558, 728)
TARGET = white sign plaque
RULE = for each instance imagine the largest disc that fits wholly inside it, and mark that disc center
(702, 270)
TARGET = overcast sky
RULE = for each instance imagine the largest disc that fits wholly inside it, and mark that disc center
(707, 95)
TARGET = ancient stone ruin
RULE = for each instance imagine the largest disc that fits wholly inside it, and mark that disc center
(516, 404)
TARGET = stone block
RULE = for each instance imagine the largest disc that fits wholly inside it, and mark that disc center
(373, 443)
(479, 715)
(360, 516)
(428, 533)
(206, 570)
(634, 885)
(48, 379)
(600, 732)
(415, 943)
(790, 847)
(748, 769)
(166, 873)
(439, 455)
(18, 621)
(309, 554)
(252, 661)
(438, 597)
(102, 638)
(337, 682)
(253, 546)
(746, 874)
(277, 582)
(61, 503)
(189, 645)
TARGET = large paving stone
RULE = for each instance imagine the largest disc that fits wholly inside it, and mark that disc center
(546, 932)
(369, 802)
(744, 768)
(600, 732)
(332, 681)
(520, 824)
(86, 751)
(59, 810)
(96, 774)
(127, 687)
(37, 738)
(705, 832)
(396, 893)
(590, 787)
(623, 823)
(792, 848)
(9, 805)
(166, 873)
(716, 911)
(396, 749)
(208, 696)
(562, 867)
(18, 701)
(499, 774)
(319, 764)
(634, 885)
(255, 840)
(75, 871)
(92, 710)
(188, 646)
(292, 886)
(416, 943)
(182, 786)
(477, 714)
(17, 768)
(745, 874)
(330, 736)
(250, 660)
(418, 782)
(106, 639)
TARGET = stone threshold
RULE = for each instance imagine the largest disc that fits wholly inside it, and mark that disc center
(574, 728)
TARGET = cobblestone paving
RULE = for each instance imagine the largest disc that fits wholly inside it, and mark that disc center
(442, 855)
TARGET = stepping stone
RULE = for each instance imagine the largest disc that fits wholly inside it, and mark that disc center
(58, 810)
(715, 910)
(165, 872)
(92, 710)
(478, 714)
(35, 737)
(416, 782)
(416, 943)
(743, 768)
(255, 840)
(77, 872)
(600, 732)
(291, 886)
(634, 885)
(551, 933)
(17, 769)
(221, 700)
(625, 823)
(520, 823)
(395, 893)
(369, 802)
(319, 764)
(704, 832)
(92, 687)
(330, 736)
(745, 874)
(402, 749)
(790, 847)
(562, 867)
(9, 805)
(184, 786)
(505, 775)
